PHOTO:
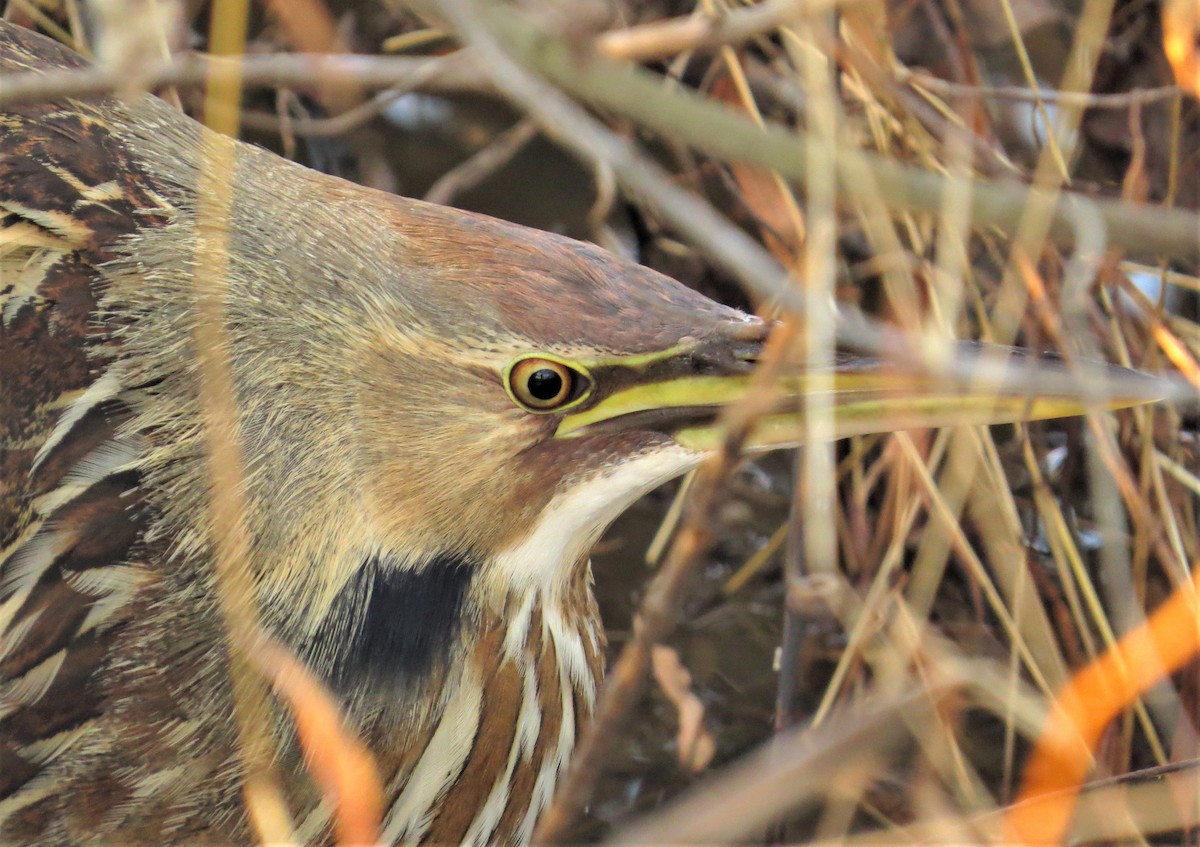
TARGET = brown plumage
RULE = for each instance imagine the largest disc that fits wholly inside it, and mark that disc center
(439, 413)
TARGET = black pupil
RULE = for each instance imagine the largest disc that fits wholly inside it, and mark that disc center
(545, 384)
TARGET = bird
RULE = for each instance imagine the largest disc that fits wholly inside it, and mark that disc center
(439, 413)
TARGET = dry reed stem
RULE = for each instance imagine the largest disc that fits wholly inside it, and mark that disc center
(344, 771)
(1077, 581)
(227, 527)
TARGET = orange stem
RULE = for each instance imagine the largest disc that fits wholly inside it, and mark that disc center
(1166, 641)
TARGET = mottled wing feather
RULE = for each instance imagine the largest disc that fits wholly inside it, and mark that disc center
(69, 514)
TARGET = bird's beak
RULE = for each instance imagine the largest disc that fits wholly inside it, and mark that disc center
(988, 384)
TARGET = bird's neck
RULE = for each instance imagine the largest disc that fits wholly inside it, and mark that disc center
(491, 740)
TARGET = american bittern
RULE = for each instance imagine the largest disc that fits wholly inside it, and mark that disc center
(439, 414)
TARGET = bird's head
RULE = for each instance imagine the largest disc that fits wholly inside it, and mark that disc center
(435, 410)
(501, 415)
(441, 410)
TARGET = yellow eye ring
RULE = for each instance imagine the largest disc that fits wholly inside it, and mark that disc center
(544, 385)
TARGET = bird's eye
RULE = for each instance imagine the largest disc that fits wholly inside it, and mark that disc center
(542, 385)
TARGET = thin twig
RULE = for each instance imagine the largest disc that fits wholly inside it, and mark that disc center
(424, 76)
(297, 70)
(663, 39)
(477, 168)
(1123, 100)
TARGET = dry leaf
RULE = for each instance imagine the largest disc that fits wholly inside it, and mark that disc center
(1181, 42)
(339, 764)
(694, 742)
(762, 191)
(309, 27)
(867, 24)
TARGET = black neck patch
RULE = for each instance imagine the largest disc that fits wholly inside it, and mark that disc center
(391, 625)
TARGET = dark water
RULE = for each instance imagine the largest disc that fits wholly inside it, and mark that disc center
(726, 643)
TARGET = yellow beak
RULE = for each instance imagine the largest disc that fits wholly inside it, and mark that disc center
(1003, 385)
